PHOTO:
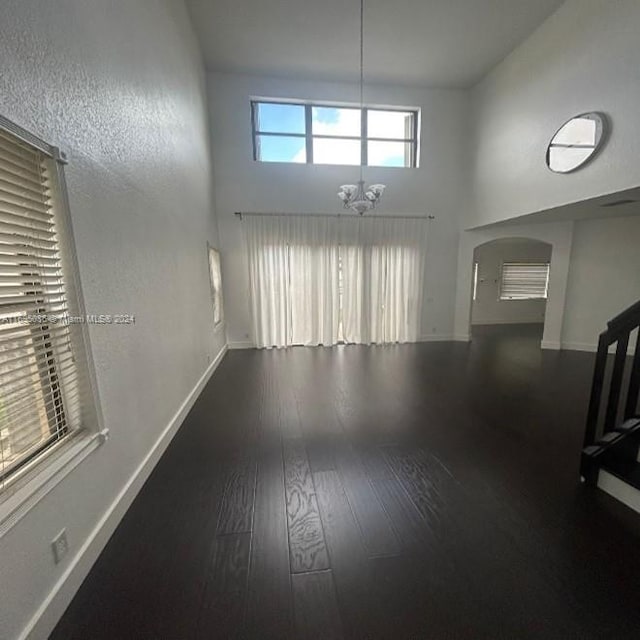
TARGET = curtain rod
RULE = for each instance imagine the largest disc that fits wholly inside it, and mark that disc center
(329, 215)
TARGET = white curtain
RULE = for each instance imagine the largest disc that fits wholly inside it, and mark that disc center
(293, 270)
(383, 266)
(319, 280)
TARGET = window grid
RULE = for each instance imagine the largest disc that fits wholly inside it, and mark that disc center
(309, 136)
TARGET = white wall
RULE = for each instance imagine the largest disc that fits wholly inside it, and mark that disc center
(487, 308)
(557, 234)
(120, 86)
(604, 278)
(583, 58)
(437, 187)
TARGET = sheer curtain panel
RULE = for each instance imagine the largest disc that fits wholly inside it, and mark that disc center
(320, 280)
(293, 272)
(382, 262)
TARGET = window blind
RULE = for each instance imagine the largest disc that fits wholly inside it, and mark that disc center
(38, 376)
(524, 280)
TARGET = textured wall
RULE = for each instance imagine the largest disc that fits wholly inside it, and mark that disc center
(120, 86)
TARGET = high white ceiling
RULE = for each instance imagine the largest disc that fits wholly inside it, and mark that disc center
(438, 43)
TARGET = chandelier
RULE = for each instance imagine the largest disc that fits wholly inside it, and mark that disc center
(357, 197)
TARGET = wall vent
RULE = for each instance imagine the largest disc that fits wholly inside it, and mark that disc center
(618, 203)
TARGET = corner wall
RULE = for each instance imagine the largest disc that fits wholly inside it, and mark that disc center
(120, 87)
(582, 58)
(604, 278)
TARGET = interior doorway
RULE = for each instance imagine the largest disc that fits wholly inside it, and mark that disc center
(510, 286)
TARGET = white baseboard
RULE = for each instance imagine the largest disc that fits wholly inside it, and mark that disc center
(242, 344)
(435, 337)
(50, 611)
(491, 323)
(619, 489)
(579, 346)
(462, 337)
(592, 348)
(550, 344)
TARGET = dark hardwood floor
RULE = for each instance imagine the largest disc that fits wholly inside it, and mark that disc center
(403, 492)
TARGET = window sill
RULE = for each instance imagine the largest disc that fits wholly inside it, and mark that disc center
(25, 492)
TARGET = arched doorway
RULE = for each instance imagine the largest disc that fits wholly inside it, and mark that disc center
(510, 284)
(557, 234)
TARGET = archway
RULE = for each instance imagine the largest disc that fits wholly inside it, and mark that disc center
(558, 235)
(510, 287)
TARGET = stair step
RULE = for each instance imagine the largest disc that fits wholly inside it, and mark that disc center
(619, 447)
(626, 429)
(611, 437)
(633, 424)
(627, 471)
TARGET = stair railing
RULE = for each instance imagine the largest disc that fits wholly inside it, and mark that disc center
(618, 333)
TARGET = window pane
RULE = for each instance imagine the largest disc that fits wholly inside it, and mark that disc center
(332, 151)
(281, 149)
(332, 121)
(567, 158)
(389, 124)
(579, 131)
(280, 118)
(216, 284)
(389, 154)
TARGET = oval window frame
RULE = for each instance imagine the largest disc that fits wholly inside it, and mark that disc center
(604, 129)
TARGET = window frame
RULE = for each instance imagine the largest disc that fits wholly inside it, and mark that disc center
(474, 279)
(520, 263)
(22, 486)
(215, 267)
(308, 136)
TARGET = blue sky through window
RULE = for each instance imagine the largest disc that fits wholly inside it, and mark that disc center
(336, 122)
(329, 115)
(281, 118)
(282, 149)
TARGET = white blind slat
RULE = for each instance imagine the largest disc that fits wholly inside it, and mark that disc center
(25, 207)
(11, 192)
(23, 258)
(22, 217)
(24, 226)
(50, 400)
(17, 374)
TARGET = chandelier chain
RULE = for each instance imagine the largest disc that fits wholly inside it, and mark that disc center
(360, 198)
(361, 70)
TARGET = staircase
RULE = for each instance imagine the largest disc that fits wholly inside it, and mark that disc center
(612, 436)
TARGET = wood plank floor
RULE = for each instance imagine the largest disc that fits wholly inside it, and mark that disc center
(403, 492)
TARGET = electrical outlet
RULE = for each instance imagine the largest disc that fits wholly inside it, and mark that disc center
(60, 546)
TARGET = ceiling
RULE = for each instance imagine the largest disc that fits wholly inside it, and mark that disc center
(435, 43)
